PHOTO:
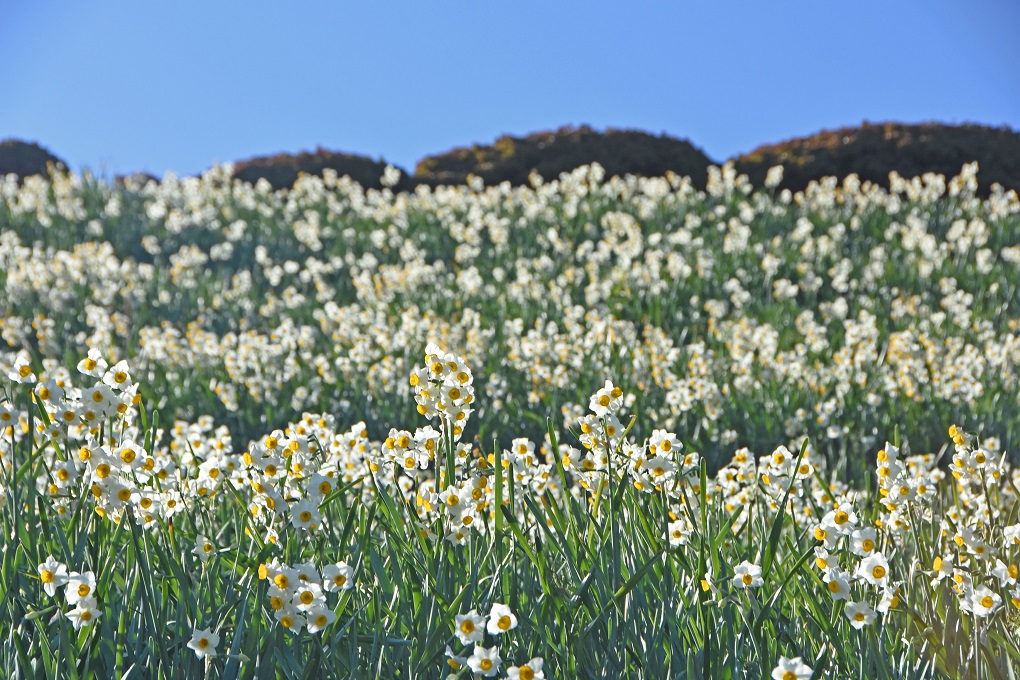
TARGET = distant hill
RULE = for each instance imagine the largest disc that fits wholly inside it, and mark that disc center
(25, 158)
(872, 150)
(281, 170)
(512, 159)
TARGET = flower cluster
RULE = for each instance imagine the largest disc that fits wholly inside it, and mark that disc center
(444, 387)
(297, 594)
(470, 629)
(79, 590)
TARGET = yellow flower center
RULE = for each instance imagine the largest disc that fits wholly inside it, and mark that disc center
(47, 576)
(503, 623)
(485, 664)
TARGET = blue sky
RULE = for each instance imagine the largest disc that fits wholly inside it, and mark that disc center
(123, 86)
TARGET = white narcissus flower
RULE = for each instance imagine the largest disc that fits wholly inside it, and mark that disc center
(455, 662)
(204, 642)
(501, 619)
(532, 670)
(843, 518)
(204, 548)
(308, 596)
(85, 613)
(862, 542)
(93, 365)
(290, 618)
(305, 514)
(53, 574)
(607, 400)
(318, 617)
(80, 586)
(747, 575)
(677, 532)
(874, 569)
(825, 561)
(943, 568)
(470, 627)
(984, 601)
(50, 391)
(890, 598)
(339, 576)
(791, 669)
(484, 661)
(21, 371)
(838, 584)
(859, 614)
(118, 376)
(1006, 573)
(10, 415)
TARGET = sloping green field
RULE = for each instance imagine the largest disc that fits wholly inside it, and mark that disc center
(591, 428)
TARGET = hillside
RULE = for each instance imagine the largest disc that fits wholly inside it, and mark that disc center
(512, 159)
(25, 158)
(281, 170)
(872, 150)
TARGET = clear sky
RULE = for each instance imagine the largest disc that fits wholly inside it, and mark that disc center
(130, 85)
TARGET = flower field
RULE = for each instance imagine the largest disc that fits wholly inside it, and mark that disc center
(591, 428)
